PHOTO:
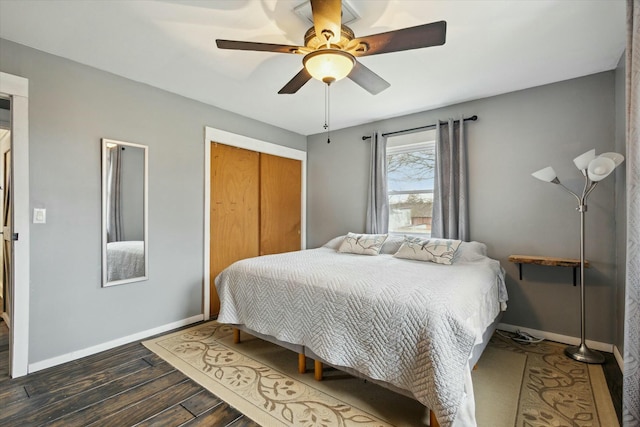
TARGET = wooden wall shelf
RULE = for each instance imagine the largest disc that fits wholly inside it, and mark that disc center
(549, 261)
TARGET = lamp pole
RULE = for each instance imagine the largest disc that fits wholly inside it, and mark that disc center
(594, 169)
(581, 352)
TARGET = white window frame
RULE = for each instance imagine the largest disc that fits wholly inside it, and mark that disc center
(408, 148)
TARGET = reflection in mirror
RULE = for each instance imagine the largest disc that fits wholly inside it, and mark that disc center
(124, 212)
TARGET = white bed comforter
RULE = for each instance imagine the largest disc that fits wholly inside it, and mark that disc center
(410, 323)
(125, 260)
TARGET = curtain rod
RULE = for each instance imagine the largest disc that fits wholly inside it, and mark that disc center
(472, 118)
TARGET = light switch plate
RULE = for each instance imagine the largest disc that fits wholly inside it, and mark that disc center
(39, 216)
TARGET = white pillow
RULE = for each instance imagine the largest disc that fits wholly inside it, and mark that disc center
(440, 251)
(364, 244)
(392, 244)
(334, 243)
(470, 251)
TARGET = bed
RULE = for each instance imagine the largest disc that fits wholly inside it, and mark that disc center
(125, 260)
(412, 326)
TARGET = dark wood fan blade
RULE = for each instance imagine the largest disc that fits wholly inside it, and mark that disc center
(433, 34)
(264, 47)
(369, 80)
(296, 83)
(327, 15)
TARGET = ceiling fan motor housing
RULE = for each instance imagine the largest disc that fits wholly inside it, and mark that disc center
(312, 41)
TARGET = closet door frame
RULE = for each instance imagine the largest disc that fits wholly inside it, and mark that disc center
(241, 141)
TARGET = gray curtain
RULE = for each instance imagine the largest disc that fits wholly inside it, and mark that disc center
(450, 188)
(114, 209)
(631, 384)
(378, 202)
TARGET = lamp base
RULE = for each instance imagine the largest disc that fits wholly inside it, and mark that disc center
(582, 353)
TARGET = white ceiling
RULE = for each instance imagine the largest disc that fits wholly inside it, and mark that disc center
(492, 47)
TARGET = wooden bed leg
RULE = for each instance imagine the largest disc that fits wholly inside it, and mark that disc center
(475, 367)
(433, 422)
(317, 370)
(302, 363)
(236, 336)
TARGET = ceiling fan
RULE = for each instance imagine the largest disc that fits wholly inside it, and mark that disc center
(330, 48)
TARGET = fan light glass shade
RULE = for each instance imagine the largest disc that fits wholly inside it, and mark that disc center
(547, 174)
(600, 168)
(583, 160)
(329, 65)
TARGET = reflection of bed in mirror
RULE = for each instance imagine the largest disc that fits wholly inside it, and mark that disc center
(125, 260)
(124, 212)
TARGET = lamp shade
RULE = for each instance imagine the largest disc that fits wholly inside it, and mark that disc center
(329, 65)
(583, 160)
(600, 168)
(547, 174)
(617, 158)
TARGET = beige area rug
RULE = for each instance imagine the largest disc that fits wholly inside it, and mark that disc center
(557, 390)
(514, 385)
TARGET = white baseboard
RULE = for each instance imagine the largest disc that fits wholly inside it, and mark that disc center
(74, 355)
(619, 358)
(565, 339)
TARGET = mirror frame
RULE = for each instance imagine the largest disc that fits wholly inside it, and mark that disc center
(105, 142)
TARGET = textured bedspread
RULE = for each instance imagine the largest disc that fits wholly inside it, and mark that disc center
(409, 323)
(125, 260)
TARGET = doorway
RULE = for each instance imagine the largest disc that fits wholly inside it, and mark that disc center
(6, 249)
(16, 286)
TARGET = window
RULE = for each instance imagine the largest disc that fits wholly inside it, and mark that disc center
(410, 173)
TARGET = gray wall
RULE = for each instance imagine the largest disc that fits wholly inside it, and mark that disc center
(513, 213)
(621, 201)
(71, 107)
(5, 119)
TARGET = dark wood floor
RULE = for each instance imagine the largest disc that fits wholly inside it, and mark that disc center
(125, 386)
(131, 386)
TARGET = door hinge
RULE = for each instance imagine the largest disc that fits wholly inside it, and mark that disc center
(14, 236)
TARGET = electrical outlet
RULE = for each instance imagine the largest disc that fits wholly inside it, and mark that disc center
(39, 216)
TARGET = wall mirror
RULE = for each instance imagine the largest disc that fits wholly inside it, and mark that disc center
(124, 212)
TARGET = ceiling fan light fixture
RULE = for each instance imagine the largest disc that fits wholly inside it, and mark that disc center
(329, 65)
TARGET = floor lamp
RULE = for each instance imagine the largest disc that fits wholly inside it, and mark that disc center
(594, 169)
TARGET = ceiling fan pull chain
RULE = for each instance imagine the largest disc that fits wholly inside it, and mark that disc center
(327, 111)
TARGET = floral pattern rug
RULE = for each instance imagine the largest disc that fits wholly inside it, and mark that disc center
(558, 391)
(555, 391)
(263, 393)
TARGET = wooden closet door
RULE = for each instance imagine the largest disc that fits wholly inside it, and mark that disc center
(235, 211)
(280, 204)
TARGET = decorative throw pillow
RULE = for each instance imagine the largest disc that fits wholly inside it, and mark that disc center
(365, 244)
(440, 251)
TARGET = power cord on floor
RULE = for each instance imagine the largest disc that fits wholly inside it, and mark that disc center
(521, 337)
